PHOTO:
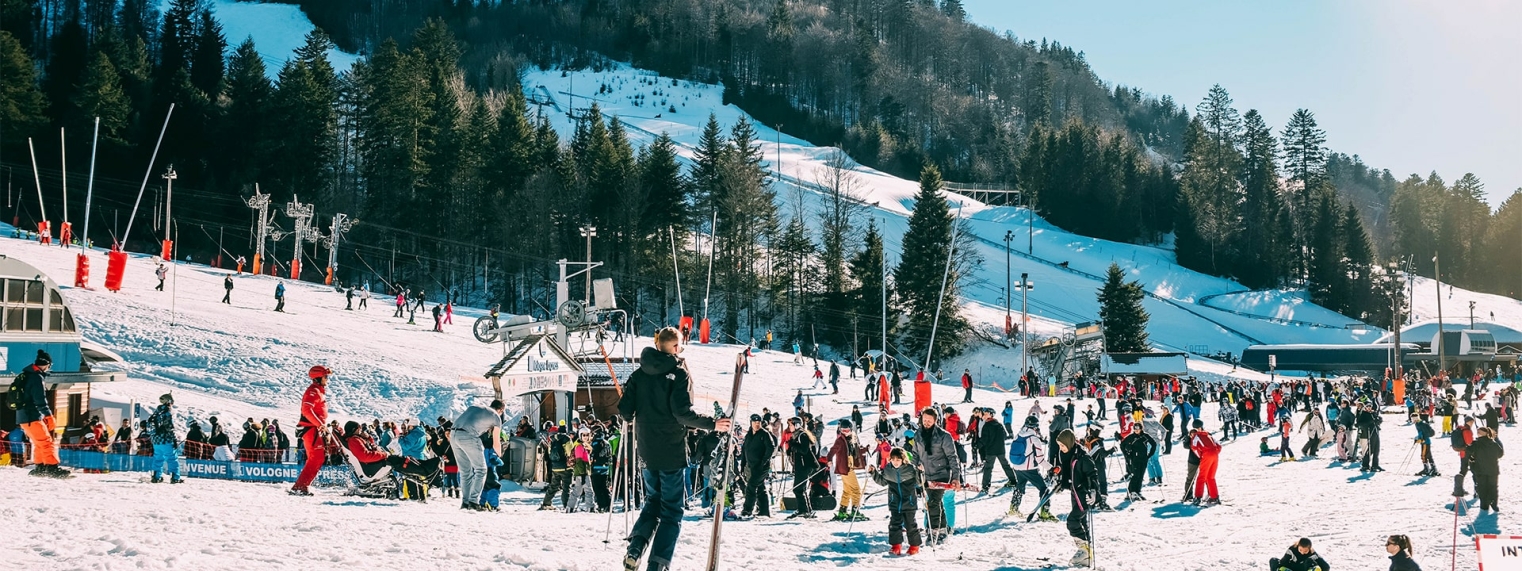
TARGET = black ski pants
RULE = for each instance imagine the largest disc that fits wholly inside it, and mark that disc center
(1078, 519)
(901, 522)
(1485, 489)
(755, 494)
(988, 470)
(560, 480)
(935, 508)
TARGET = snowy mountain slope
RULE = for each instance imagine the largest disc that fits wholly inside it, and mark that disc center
(1064, 266)
(277, 29)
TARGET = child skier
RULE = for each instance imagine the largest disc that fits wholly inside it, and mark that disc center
(902, 479)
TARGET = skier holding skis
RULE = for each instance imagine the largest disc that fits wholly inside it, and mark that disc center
(1077, 475)
(658, 399)
(1029, 460)
(902, 479)
(935, 450)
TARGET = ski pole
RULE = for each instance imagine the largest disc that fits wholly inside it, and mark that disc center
(1408, 458)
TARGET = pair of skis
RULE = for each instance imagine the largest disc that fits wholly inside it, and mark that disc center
(719, 507)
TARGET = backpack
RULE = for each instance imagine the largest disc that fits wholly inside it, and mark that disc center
(1019, 450)
(16, 393)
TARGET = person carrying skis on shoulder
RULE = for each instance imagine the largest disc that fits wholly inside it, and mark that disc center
(1028, 457)
(902, 480)
(1209, 451)
(1299, 557)
(1077, 475)
(658, 399)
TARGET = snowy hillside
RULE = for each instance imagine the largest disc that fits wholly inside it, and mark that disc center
(277, 29)
(1066, 268)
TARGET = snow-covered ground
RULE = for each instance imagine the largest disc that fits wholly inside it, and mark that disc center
(246, 360)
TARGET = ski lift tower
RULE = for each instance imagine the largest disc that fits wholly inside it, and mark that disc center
(302, 232)
(261, 202)
(341, 225)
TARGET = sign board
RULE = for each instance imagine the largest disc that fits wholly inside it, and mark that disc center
(1273, 361)
(537, 364)
(1499, 552)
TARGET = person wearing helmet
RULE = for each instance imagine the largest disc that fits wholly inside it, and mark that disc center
(1028, 457)
(161, 432)
(312, 428)
(757, 450)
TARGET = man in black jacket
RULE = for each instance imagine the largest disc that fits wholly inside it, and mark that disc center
(657, 399)
(991, 442)
(1368, 430)
(1484, 461)
(757, 452)
(35, 417)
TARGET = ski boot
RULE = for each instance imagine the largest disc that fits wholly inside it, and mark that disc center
(1014, 511)
(840, 516)
(633, 554)
(896, 549)
(1045, 515)
(856, 515)
(914, 550)
(1085, 554)
(153, 480)
(176, 480)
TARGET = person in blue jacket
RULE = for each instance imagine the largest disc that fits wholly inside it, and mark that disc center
(280, 297)
(414, 441)
(1009, 418)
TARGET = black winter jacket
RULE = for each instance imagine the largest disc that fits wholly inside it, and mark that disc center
(1294, 561)
(34, 398)
(758, 448)
(991, 438)
(1484, 456)
(658, 398)
(903, 484)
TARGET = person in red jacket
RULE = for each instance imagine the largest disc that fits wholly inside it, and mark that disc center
(954, 427)
(312, 428)
(967, 385)
(372, 457)
(1209, 452)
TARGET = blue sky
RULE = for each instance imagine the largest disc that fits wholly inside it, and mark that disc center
(1409, 85)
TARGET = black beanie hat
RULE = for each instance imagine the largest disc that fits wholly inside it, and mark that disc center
(43, 358)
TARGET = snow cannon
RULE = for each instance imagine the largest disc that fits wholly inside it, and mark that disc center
(116, 266)
(329, 279)
(168, 251)
(43, 235)
(921, 392)
(296, 269)
(66, 233)
(703, 331)
(82, 271)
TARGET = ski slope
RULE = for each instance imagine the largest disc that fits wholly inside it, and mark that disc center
(1066, 268)
(277, 29)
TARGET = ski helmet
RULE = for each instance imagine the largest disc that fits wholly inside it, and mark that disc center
(319, 371)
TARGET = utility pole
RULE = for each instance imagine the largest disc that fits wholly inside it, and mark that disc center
(1025, 286)
(260, 202)
(1008, 283)
(1437, 280)
(1471, 315)
(1030, 225)
(169, 176)
(341, 226)
(1395, 316)
(589, 232)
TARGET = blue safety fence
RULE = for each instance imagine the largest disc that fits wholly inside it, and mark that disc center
(90, 460)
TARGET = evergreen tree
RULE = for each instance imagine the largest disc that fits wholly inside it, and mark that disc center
(99, 94)
(303, 105)
(248, 92)
(867, 299)
(1327, 278)
(69, 56)
(1501, 255)
(22, 106)
(1208, 184)
(1358, 268)
(1259, 266)
(838, 238)
(207, 66)
(1305, 157)
(705, 169)
(919, 275)
(1120, 309)
(664, 188)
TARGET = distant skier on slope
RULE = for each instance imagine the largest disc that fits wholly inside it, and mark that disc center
(227, 287)
(280, 297)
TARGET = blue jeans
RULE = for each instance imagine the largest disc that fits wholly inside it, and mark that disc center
(660, 521)
(164, 455)
(1154, 467)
